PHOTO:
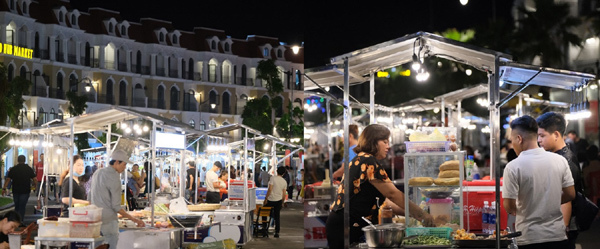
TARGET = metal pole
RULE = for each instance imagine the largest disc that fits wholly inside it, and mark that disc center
(494, 97)
(372, 99)
(245, 181)
(196, 176)
(458, 132)
(330, 144)
(108, 150)
(45, 163)
(347, 116)
(443, 110)
(151, 171)
(71, 152)
(181, 174)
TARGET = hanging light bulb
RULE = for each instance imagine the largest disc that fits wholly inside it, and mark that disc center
(124, 125)
(138, 131)
(416, 65)
(127, 130)
(136, 127)
(468, 72)
(145, 129)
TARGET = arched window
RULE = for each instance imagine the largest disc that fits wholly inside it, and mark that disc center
(174, 98)
(212, 71)
(24, 9)
(23, 72)
(161, 97)
(213, 99)
(12, 4)
(110, 28)
(279, 54)
(191, 69)
(226, 47)
(175, 40)
(42, 117)
(52, 114)
(11, 72)
(59, 86)
(212, 124)
(110, 92)
(265, 52)
(188, 104)
(123, 30)
(202, 125)
(138, 59)
(243, 81)
(73, 83)
(36, 45)
(213, 45)
(192, 123)
(74, 20)
(161, 37)
(61, 17)
(122, 93)
(226, 108)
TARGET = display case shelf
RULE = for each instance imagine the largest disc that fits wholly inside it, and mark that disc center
(447, 198)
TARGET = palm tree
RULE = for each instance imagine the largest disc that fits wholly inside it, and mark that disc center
(546, 32)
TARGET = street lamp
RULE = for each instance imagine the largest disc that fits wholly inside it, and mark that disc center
(88, 84)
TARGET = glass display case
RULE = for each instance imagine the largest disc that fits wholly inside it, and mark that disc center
(433, 180)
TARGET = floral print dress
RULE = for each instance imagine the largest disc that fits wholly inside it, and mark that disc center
(363, 202)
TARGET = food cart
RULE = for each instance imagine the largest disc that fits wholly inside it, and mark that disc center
(361, 65)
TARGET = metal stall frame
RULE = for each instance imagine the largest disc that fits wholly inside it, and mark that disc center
(351, 68)
(103, 119)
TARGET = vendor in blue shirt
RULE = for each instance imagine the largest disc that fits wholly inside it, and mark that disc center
(352, 142)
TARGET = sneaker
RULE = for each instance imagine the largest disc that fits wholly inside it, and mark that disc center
(276, 235)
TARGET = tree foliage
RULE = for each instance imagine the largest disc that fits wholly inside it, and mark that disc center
(269, 73)
(257, 115)
(77, 106)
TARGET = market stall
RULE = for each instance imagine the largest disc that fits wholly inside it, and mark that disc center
(361, 65)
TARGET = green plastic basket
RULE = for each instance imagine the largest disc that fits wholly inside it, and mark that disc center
(442, 232)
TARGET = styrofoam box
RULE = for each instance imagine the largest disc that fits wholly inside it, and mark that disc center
(85, 229)
(85, 214)
(49, 228)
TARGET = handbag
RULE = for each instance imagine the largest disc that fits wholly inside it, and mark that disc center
(585, 212)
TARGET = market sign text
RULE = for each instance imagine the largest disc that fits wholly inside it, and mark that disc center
(16, 51)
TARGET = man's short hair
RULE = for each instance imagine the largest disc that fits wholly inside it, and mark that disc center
(218, 164)
(526, 126)
(191, 164)
(21, 159)
(552, 121)
(353, 130)
(573, 132)
(281, 170)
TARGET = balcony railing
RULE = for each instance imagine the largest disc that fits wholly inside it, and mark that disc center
(145, 70)
(156, 104)
(91, 97)
(60, 57)
(72, 59)
(247, 82)
(226, 79)
(39, 91)
(109, 64)
(257, 82)
(106, 99)
(123, 67)
(160, 71)
(44, 54)
(173, 73)
(139, 102)
(123, 101)
(57, 93)
(134, 68)
(198, 76)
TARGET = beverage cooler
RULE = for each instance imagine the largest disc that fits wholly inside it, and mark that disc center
(475, 193)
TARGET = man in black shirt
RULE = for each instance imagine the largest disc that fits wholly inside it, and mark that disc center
(550, 136)
(190, 185)
(580, 144)
(21, 176)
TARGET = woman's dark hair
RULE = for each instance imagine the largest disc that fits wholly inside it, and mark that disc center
(592, 153)
(223, 173)
(12, 216)
(75, 158)
(146, 165)
(367, 142)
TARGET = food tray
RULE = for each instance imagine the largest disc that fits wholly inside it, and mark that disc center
(442, 232)
(427, 146)
(85, 229)
(204, 207)
(49, 228)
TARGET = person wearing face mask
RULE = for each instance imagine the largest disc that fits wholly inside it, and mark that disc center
(9, 222)
(79, 193)
(212, 184)
(368, 180)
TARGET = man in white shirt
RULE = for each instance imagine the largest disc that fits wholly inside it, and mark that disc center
(212, 184)
(531, 189)
(274, 197)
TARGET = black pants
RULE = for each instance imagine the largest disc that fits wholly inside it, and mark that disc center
(290, 191)
(213, 197)
(548, 245)
(276, 213)
(572, 237)
(335, 230)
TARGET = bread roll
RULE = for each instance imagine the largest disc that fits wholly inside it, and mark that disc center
(450, 165)
(446, 181)
(449, 174)
(420, 181)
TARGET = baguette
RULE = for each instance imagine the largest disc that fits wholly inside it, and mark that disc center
(449, 174)
(450, 165)
(420, 181)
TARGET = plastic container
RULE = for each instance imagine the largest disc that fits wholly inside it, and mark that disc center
(85, 229)
(14, 240)
(442, 232)
(438, 208)
(474, 194)
(49, 228)
(428, 146)
(85, 214)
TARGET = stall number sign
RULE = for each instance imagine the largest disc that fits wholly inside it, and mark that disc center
(16, 51)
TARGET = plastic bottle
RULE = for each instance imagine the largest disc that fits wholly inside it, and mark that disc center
(492, 218)
(485, 217)
(469, 168)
